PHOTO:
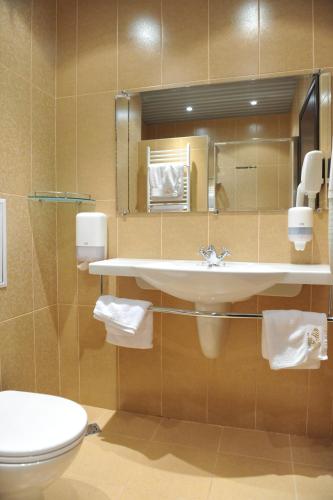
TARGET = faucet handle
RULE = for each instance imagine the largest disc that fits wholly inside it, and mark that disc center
(226, 252)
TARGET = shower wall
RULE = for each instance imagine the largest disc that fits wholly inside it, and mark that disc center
(28, 305)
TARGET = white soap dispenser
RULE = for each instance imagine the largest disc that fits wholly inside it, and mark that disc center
(300, 226)
(91, 238)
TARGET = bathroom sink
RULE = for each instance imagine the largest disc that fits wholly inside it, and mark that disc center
(213, 288)
(196, 282)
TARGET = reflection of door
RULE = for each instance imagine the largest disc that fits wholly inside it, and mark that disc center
(308, 124)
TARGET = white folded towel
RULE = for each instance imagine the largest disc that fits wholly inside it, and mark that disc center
(124, 314)
(166, 181)
(294, 339)
(143, 338)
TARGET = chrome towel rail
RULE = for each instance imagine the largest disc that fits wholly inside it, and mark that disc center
(208, 314)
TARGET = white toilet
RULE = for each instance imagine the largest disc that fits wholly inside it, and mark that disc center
(39, 437)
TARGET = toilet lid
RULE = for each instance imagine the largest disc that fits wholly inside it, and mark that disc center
(34, 424)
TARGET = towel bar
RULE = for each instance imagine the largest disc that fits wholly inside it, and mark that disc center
(208, 314)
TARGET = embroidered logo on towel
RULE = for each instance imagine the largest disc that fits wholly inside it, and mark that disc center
(314, 339)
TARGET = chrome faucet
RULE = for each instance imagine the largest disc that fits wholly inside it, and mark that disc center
(211, 257)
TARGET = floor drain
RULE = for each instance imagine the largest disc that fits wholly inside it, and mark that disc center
(93, 429)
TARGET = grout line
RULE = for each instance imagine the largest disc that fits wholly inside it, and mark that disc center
(76, 184)
(31, 184)
(56, 184)
(292, 467)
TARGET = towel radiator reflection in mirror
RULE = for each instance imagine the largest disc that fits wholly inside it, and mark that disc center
(164, 157)
(3, 244)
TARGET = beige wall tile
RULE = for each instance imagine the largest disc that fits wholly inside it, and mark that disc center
(232, 392)
(17, 354)
(323, 45)
(44, 44)
(139, 236)
(97, 46)
(281, 399)
(140, 375)
(321, 381)
(233, 38)
(47, 353)
(15, 38)
(183, 235)
(185, 369)
(66, 48)
(273, 240)
(66, 253)
(139, 44)
(15, 129)
(43, 141)
(320, 236)
(285, 35)
(98, 363)
(66, 144)
(43, 220)
(185, 41)
(96, 146)
(267, 187)
(16, 298)
(69, 352)
(238, 232)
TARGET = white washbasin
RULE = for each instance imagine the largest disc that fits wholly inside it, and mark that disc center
(194, 281)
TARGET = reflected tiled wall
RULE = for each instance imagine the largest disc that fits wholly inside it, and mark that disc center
(214, 41)
(28, 306)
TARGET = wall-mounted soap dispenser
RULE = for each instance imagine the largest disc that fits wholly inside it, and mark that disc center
(91, 238)
(300, 218)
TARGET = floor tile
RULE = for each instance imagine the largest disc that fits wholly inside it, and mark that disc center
(172, 472)
(243, 478)
(313, 483)
(76, 488)
(317, 452)
(197, 435)
(132, 425)
(114, 458)
(257, 444)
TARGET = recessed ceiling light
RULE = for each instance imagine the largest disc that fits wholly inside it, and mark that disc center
(189, 108)
(253, 103)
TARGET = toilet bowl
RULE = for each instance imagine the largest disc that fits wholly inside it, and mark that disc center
(39, 437)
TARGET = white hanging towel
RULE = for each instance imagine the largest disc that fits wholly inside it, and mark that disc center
(143, 338)
(128, 322)
(166, 181)
(294, 339)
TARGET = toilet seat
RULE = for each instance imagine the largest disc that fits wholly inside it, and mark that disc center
(35, 427)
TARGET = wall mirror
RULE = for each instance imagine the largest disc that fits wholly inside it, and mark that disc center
(231, 146)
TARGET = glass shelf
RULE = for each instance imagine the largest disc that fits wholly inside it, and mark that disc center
(61, 197)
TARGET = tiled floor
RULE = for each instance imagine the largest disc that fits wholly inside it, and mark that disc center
(139, 457)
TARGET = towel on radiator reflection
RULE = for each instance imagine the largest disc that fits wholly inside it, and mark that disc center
(294, 339)
(128, 322)
(166, 181)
